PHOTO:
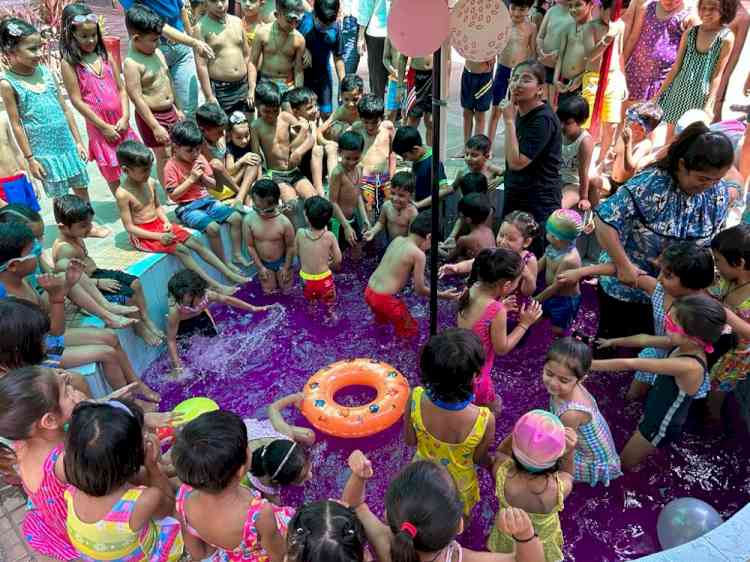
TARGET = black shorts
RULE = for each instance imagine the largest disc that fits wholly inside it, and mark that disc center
(476, 91)
(201, 325)
(356, 224)
(125, 292)
(232, 96)
(423, 87)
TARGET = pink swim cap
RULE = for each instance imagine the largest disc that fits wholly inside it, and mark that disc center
(538, 440)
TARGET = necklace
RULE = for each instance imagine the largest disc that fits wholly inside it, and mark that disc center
(452, 406)
(313, 238)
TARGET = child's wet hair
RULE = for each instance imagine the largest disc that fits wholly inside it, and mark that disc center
(211, 115)
(496, 265)
(422, 224)
(448, 363)
(734, 244)
(522, 3)
(297, 97)
(266, 189)
(325, 531)
(693, 265)
(282, 460)
(699, 149)
(424, 495)
(351, 83)
(26, 395)
(104, 447)
(134, 154)
(70, 209)
(186, 133)
(406, 139)
(728, 9)
(14, 237)
(12, 32)
(318, 211)
(404, 181)
(267, 94)
(142, 20)
(371, 107)
(535, 68)
(480, 143)
(573, 107)
(700, 316)
(23, 328)
(15, 212)
(524, 222)
(473, 182)
(351, 140)
(186, 282)
(209, 451)
(475, 207)
(326, 10)
(69, 48)
(573, 353)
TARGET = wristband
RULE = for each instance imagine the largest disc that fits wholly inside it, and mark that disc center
(531, 538)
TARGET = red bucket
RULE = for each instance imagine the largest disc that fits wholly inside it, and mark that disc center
(112, 44)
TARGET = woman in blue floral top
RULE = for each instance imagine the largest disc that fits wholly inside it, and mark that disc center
(680, 197)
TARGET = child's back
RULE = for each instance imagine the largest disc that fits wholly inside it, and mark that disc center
(392, 273)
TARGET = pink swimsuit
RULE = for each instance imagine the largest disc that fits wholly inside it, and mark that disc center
(484, 391)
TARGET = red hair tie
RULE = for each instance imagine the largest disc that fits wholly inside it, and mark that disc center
(410, 529)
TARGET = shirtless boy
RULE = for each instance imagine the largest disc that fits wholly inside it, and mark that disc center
(270, 238)
(223, 79)
(474, 210)
(318, 251)
(597, 36)
(273, 134)
(561, 302)
(148, 83)
(548, 42)
(147, 224)
(476, 96)
(351, 90)
(349, 212)
(15, 184)
(277, 50)
(378, 160)
(571, 60)
(404, 258)
(399, 211)
(521, 46)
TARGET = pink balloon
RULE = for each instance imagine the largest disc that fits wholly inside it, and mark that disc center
(418, 28)
(479, 28)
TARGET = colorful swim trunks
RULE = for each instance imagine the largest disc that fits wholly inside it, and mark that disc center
(375, 188)
(319, 287)
(389, 309)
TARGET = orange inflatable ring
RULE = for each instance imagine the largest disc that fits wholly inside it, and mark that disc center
(325, 414)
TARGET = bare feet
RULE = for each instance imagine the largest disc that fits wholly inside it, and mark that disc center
(238, 278)
(148, 394)
(99, 231)
(151, 327)
(116, 321)
(147, 335)
(226, 289)
(234, 269)
(241, 260)
(121, 309)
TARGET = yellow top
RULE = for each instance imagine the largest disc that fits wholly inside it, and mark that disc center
(457, 458)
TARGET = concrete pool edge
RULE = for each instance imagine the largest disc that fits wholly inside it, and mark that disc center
(725, 543)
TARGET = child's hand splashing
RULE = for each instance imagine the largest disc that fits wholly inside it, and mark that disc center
(511, 303)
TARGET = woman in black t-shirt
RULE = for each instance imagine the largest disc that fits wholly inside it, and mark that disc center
(533, 142)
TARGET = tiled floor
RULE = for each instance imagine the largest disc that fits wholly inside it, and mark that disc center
(12, 546)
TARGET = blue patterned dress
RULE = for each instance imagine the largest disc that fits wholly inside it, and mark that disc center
(51, 141)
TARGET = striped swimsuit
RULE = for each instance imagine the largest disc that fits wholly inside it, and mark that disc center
(44, 524)
(657, 306)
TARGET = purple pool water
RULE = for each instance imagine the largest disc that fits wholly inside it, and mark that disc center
(262, 357)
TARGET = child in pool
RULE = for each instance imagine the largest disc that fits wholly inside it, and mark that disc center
(222, 518)
(269, 236)
(693, 80)
(95, 88)
(561, 302)
(731, 250)
(424, 516)
(685, 269)
(42, 123)
(494, 275)
(691, 325)
(404, 258)
(474, 210)
(108, 517)
(566, 366)
(528, 475)
(318, 251)
(350, 216)
(399, 211)
(443, 423)
(188, 314)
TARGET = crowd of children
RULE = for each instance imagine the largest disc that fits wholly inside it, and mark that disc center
(302, 183)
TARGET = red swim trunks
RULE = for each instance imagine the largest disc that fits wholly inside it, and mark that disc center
(389, 309)
(166, 119)
(319, 287)
(156, 246)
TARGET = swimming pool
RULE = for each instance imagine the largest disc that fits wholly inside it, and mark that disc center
(262, 357)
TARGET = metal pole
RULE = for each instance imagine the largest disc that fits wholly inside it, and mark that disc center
(437, 63)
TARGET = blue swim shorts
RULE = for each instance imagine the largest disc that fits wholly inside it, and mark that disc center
(562, 310)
